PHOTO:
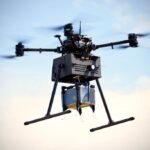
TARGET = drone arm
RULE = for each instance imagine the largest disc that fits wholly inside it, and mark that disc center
(20, 50)
(111, 44)
(42, 50)
(132, 40)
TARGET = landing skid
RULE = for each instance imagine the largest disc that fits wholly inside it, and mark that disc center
(48, 114)
(111, 124)
(47, 117)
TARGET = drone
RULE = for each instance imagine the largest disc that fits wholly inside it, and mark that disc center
(77, 66)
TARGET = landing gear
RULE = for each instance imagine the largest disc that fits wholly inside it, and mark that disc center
(110, 121)
(48, 114)
(69, 69)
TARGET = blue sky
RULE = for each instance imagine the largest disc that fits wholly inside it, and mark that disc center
(26, 82)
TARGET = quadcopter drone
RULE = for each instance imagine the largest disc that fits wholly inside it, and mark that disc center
(77, 66)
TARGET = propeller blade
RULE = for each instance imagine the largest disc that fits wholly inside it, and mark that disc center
(8, 56)
(123, 46)
(23, 39)
(55, 28)
(143, 34)
(61, 27)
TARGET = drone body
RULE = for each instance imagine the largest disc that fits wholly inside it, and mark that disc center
(77, 66)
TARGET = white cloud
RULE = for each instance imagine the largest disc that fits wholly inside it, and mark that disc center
(72, 130)
(130, 16)
(143, 82)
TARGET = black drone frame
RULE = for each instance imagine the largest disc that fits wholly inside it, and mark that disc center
(20, 52)
(20, 49)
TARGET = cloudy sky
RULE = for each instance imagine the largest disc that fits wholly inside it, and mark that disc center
(26, 82)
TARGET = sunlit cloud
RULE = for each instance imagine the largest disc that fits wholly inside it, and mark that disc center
(122, 104)
(143, 82)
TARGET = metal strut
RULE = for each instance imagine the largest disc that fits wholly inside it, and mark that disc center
(54, 91)
(78, 102)
(48, 115)
(111, 122)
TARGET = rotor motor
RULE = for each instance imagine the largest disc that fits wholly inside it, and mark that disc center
(19, 49)
(68, 29)
(133, 40)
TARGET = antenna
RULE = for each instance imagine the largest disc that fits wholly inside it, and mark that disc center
(80, 28)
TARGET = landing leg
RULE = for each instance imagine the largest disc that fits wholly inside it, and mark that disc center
(53, 92)
(111, 122)
(104, 101)
(78, 98)
(48, 115)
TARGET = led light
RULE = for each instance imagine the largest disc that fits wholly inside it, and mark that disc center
(92, 67)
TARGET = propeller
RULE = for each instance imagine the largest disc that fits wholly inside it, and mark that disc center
(20, 42)
(132, 37)
(8, 56)
(123, 47)
(141, 35)
(23, 40)
(60, 27)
